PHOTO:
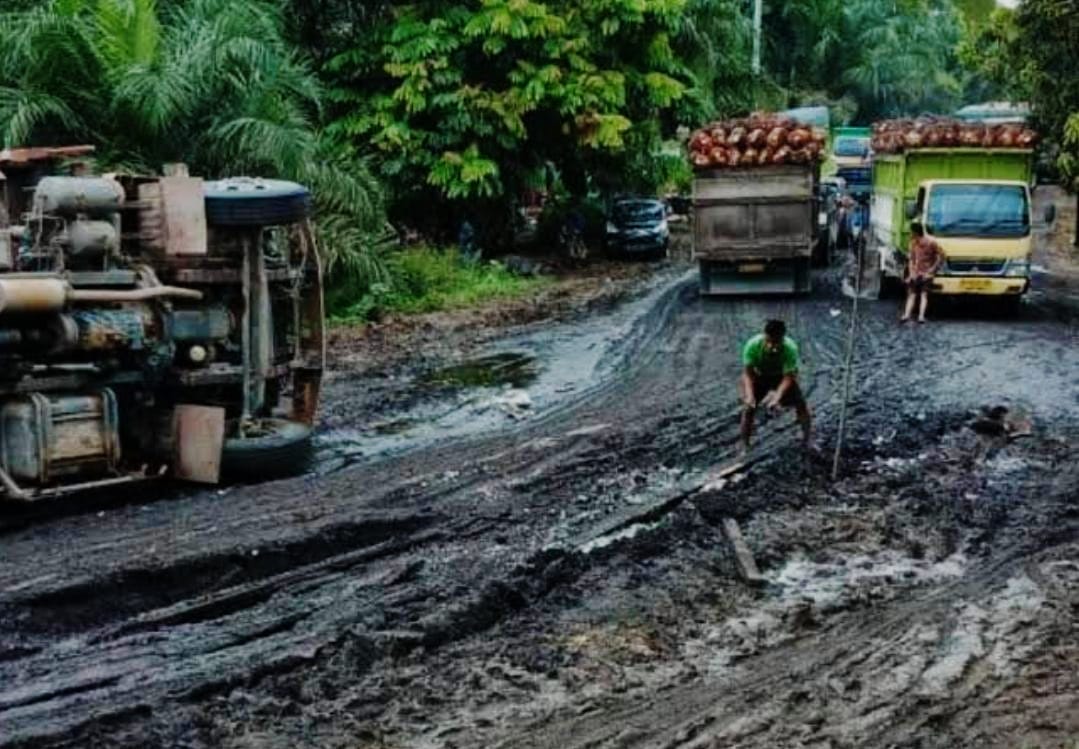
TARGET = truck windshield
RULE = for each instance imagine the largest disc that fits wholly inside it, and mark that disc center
(851, 146)
(978, 211)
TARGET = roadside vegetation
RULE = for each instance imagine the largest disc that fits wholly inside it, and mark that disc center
(428, 279)
(425, 114)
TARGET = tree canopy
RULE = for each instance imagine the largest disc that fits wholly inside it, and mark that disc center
(1030, 53)
(209, 82)
(468, 101)
(441, 109)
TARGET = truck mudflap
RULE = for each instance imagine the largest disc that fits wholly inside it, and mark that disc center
(783, 276)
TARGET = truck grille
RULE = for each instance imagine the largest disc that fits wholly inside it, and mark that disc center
(975, 267)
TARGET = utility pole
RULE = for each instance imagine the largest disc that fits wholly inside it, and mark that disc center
(758, 12)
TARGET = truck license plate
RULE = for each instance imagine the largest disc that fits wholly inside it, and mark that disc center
(751, 268)
(973, 284)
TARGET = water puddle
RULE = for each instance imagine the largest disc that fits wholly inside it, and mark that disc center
(515, 369)
(397, 426)
(826, 583)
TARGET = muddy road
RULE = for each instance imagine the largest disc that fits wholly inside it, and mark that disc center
(529, 551)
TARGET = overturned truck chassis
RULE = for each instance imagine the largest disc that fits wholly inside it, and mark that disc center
(152, 326)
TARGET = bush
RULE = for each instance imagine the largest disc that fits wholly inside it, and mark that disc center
(556, 213)
(425, 279)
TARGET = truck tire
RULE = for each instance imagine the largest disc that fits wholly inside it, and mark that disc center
(821, 252)
(284, 449)
(240, 201)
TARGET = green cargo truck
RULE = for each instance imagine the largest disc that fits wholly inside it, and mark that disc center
(850, 156)
(975, 202)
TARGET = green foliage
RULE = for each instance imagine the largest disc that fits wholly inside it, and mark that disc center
(466, 101)
(976, 12)
(1030, 54)
(1068, 161)
(557, 212)
(209, 82)
(423, 279)
(906, 61)
(714, 41)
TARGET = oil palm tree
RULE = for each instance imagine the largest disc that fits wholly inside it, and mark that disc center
(209, 82)
(906, 57)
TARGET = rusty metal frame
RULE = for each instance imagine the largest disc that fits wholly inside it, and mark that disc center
(310, 358)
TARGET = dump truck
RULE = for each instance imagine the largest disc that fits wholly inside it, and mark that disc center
(755, 228)
(851, 156)
(974, 202)
(152, 326)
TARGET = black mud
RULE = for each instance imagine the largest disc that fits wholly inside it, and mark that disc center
(535, 557)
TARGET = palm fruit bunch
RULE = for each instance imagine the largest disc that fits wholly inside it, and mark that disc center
(758, 140)
(895, 136)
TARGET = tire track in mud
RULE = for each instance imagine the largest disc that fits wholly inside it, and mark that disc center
(463, 541)
(883, 665)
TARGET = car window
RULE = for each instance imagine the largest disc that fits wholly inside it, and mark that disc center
(639, 211)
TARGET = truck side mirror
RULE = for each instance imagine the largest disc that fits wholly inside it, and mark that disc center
(911, 209)
(1050, 213)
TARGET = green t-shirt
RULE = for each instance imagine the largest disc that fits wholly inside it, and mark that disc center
(783, 361)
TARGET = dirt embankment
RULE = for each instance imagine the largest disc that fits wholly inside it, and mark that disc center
(575, 290)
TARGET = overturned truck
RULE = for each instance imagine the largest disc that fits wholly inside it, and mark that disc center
(152, 326)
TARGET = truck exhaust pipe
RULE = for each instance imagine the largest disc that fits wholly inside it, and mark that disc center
(43, 295)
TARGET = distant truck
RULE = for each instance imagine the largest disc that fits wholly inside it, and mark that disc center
(851, 155)
(755, 229)
(975, 202)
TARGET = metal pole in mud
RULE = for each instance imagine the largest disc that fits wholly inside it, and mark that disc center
(859, 253)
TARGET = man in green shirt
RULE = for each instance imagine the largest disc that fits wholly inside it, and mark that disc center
(770, 379)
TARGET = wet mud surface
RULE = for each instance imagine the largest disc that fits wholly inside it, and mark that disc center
(524, 546)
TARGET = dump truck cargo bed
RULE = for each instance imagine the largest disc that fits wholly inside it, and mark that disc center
(754, 229)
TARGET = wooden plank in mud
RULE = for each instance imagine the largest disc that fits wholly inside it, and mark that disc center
(747, 566)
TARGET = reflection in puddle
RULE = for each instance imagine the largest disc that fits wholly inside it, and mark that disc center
(515, 369)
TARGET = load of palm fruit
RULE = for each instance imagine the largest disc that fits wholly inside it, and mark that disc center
(758, 140)
(895, 136)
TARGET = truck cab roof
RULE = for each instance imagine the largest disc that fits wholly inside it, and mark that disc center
(932, 182)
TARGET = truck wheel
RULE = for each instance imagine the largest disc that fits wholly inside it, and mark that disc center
(283, 448)
(240, 201)
(821, 253)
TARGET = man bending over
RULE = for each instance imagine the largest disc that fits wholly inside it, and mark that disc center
(770, 379)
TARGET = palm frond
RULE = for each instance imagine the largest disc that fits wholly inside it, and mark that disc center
(152, 98)
(127, 33)
(27, 111)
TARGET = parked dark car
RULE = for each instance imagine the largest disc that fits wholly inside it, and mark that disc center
(638, 226)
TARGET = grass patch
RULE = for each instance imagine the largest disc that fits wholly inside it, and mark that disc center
(425, 279)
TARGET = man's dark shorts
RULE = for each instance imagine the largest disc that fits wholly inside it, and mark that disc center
(919, 285)
(764, 385)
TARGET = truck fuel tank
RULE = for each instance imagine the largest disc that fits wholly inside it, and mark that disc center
(91, 239)
(71, 196)
(48, 436)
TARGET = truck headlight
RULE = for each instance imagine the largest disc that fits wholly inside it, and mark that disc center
(1017, 268)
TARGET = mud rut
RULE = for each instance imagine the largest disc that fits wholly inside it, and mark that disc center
(564, 582)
